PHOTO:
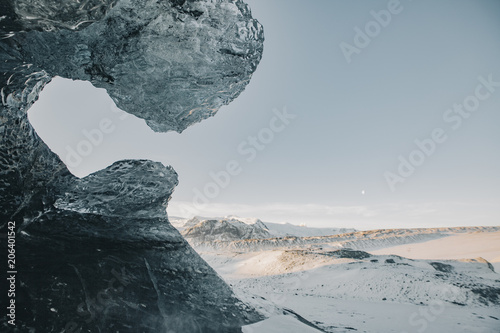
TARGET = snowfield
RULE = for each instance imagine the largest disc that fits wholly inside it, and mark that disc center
(458, 246)
(398, 280)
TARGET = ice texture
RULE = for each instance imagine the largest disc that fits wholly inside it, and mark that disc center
(173, 63)
(98, 254)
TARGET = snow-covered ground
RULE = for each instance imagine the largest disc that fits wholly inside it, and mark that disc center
(350, 294)
(459, 246)
(408, 280)
(381, 317)
(280, 324)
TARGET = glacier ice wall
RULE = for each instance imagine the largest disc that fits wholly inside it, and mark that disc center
(98, 254)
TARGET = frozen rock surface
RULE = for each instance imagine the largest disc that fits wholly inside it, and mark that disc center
(98, 254)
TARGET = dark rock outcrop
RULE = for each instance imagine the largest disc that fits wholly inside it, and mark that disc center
(98, 254)
(440, 267)
(350, 254)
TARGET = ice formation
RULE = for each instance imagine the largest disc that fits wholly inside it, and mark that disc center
(98, 254)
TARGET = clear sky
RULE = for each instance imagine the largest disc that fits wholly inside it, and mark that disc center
(326, 132)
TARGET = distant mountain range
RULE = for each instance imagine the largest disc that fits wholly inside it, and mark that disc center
(251, 234)
(204, 230)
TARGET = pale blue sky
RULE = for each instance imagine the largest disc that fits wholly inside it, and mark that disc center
(353, 120)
